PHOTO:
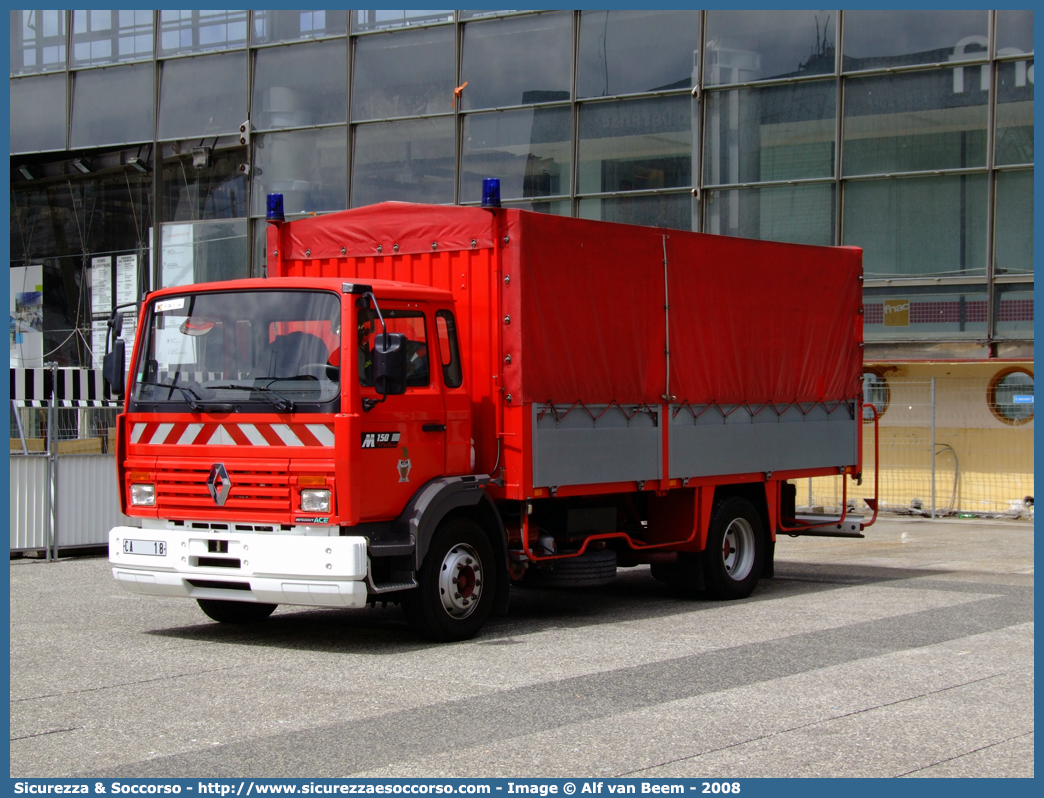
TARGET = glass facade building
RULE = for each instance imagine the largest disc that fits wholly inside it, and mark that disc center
(158, 134)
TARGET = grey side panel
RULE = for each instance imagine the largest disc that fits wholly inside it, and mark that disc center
(741, 442)
(575, 449)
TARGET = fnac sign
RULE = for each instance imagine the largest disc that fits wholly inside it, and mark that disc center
(897, 313)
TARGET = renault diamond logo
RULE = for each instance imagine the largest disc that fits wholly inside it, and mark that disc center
(219, 484)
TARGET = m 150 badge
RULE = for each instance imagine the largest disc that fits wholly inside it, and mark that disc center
(380, 440)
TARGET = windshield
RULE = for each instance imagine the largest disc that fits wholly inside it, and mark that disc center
(242, 350)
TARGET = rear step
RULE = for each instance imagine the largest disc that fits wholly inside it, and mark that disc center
(829, 526)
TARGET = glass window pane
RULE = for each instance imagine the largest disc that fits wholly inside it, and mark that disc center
(553, 207)
(377, 20)
(301, 85)
(531, 151)
(112, 106)
(203, 252)
(202, 96)
(404, 74)
(412, 161)
(924, 312)
(624, 52)
(803, 214)
(756, 45)
(875, 39)
(635, 145)
(934, 119)
(917, 226)
(217, 191)
(38, 114)
(1014, 32)
(486, 12)
(1014, 310)
(288, 26)
(37, 41)
(308, 167)
(109, 37)
(517, 60)
(672, 211)
(773, 133)
(113, 211)
(199, 31)
(1014, 112)
(1013, 240)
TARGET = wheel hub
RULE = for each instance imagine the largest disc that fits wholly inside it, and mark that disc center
(738, 549)
(460, 581)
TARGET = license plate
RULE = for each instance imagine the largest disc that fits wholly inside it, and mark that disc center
(157, 548)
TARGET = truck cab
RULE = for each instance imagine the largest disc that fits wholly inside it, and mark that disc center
(259, 447)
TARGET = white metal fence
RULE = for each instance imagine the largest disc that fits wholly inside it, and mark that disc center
(64, 491)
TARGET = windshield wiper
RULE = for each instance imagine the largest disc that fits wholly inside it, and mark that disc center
(190, 395)
(273, 397)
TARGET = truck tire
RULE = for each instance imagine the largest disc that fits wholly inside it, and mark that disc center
(235, 611)
(456, 584)
(590, 569)
(735, 552)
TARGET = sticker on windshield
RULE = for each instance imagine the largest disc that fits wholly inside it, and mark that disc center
(170, 304)
(380, 440)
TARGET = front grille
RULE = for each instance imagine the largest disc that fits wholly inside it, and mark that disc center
(184, 490)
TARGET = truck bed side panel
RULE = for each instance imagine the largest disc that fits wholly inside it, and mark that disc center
(706, 441)
(596, 444)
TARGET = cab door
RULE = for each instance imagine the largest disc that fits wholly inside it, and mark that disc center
(403, 438)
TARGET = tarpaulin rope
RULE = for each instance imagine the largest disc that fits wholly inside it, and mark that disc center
(559, 415)
(804, 407)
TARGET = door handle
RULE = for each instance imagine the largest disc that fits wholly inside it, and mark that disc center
(433, 427)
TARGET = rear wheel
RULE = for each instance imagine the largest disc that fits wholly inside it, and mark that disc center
(456, 584)
(235, 611)
(735, 552)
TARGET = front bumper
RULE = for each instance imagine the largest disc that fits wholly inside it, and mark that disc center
(233, 566)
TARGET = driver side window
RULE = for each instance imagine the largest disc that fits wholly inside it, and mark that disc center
(408, 322)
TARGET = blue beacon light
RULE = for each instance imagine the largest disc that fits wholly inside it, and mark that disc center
(491, 192)
(275, 208)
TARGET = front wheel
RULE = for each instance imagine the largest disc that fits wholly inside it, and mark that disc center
(235, 611)
(456, 584)
(735, 553)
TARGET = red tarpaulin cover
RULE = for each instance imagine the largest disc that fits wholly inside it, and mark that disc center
(750, 321)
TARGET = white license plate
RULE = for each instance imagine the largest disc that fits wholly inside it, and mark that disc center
(156, 548)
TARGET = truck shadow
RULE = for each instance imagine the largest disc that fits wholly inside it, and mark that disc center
(633, 596)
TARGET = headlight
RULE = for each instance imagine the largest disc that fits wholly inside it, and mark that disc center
(315, 501)
(143, 495)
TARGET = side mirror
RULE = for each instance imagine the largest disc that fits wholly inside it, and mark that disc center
(389, 363)
(114, 367)
(117, 325)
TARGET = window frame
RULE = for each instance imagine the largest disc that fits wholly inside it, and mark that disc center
(449, 379)
(991, 395)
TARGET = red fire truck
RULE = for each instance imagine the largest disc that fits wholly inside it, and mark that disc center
(427, 404)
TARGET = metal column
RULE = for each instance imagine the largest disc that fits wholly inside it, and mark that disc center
(933, 448)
